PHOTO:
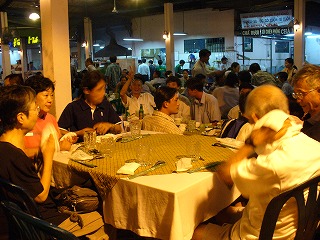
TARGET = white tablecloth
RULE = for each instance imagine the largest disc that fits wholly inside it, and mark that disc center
(166, 206)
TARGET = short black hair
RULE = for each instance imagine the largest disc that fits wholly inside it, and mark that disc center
(138, 76)
(182, 62)
(232, 80)
(245, 76)
(113, 59)
(157, 72)
(39, 83)
(174, 79)
(144, 60)
(195, 83)
(254, 67)
(204, 53)
(91, 79)
(150, 61)
(15, 79)
(163, 94)
(283, 76)
(13, 100)
(160, 62)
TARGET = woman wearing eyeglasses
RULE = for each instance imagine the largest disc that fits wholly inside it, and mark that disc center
(306, 84)
(46, 122)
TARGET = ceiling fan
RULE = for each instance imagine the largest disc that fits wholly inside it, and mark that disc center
(114, 7)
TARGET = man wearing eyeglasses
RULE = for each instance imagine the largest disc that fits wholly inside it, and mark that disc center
(306, 84)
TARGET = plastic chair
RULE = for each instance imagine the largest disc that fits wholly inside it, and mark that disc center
(308, 211)
(33, 228)
(13, 193)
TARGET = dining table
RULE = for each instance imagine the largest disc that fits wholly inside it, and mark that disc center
(163, 203)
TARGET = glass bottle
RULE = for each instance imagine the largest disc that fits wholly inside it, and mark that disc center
(141, 112)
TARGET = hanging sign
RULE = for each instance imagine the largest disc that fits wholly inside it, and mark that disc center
(266, 19)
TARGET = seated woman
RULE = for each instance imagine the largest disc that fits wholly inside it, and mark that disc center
(44, 89)
(167, 103)
(92, 110)
(19, 114)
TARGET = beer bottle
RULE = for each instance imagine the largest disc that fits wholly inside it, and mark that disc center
(141, 113)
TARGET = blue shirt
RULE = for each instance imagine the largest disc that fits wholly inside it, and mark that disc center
(77, 115)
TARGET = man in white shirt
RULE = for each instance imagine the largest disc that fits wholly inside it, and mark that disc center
(133, 102)
(272, 161)
(144, 70)
(204, 106)
(201, 66)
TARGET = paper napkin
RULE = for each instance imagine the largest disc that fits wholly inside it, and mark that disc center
(80, 155)
(183, 164)
(128, 168)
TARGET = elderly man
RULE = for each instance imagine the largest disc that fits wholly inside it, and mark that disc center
(271, 161)
(204, 107)
(167, 103)
(136, 98)
(306, 84)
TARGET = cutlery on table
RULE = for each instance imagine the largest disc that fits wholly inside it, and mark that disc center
(83, 162)
(190, 156)
(212, 166)
(158, 164)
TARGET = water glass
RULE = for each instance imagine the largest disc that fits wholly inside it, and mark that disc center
(107, 146)
(135, 128)
(143, 153)
(193, 149)
(89, 139)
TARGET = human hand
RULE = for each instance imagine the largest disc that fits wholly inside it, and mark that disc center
(48, 149)
(265, 135)
(65, 144)
(102, 127)
(81, 132)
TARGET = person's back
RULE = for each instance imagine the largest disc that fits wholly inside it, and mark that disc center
(260, 77)
(113, 73)
(161, 68)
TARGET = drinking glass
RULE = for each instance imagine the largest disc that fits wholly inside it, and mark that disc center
(143, 153)
(107, 146)
(89, 139)
(193, 149)
(191, 125)
(135, 128)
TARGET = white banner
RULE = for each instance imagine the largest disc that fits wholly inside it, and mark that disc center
(266, 19)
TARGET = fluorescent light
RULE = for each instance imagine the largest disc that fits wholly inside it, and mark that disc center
(133, 39)
(314, 36)
(308, 33)
(96, 45)
(34, 16)
(129, 48)
(101, 47)
(289, 35)
(179, 34)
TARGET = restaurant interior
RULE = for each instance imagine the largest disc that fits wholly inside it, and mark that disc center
(172, 199)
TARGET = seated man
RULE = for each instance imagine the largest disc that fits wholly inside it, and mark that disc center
(157, 81)
(272, 161)
(137, 97)
(204, 106)
(167, 103)
(92, 110)
(184, 102)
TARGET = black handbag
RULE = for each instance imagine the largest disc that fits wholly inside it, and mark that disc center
(78, 199)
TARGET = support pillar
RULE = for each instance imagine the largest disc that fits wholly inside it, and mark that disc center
(299, 40)
(88, 37)
(168, 26)
(56, 50)
(6, 64)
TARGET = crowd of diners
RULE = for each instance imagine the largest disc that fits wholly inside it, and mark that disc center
(276, 116)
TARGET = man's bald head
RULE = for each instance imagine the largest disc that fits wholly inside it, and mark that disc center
(263, 99)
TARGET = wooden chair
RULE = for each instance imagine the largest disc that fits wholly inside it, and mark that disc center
(29, 227)
(308, 211)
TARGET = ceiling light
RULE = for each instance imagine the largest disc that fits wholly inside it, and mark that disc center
(180, 34)
(165, 35)
(84, 44)
(114, 7)
(34, 16)
(96, 45)
(296, 24)
(133, 39)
